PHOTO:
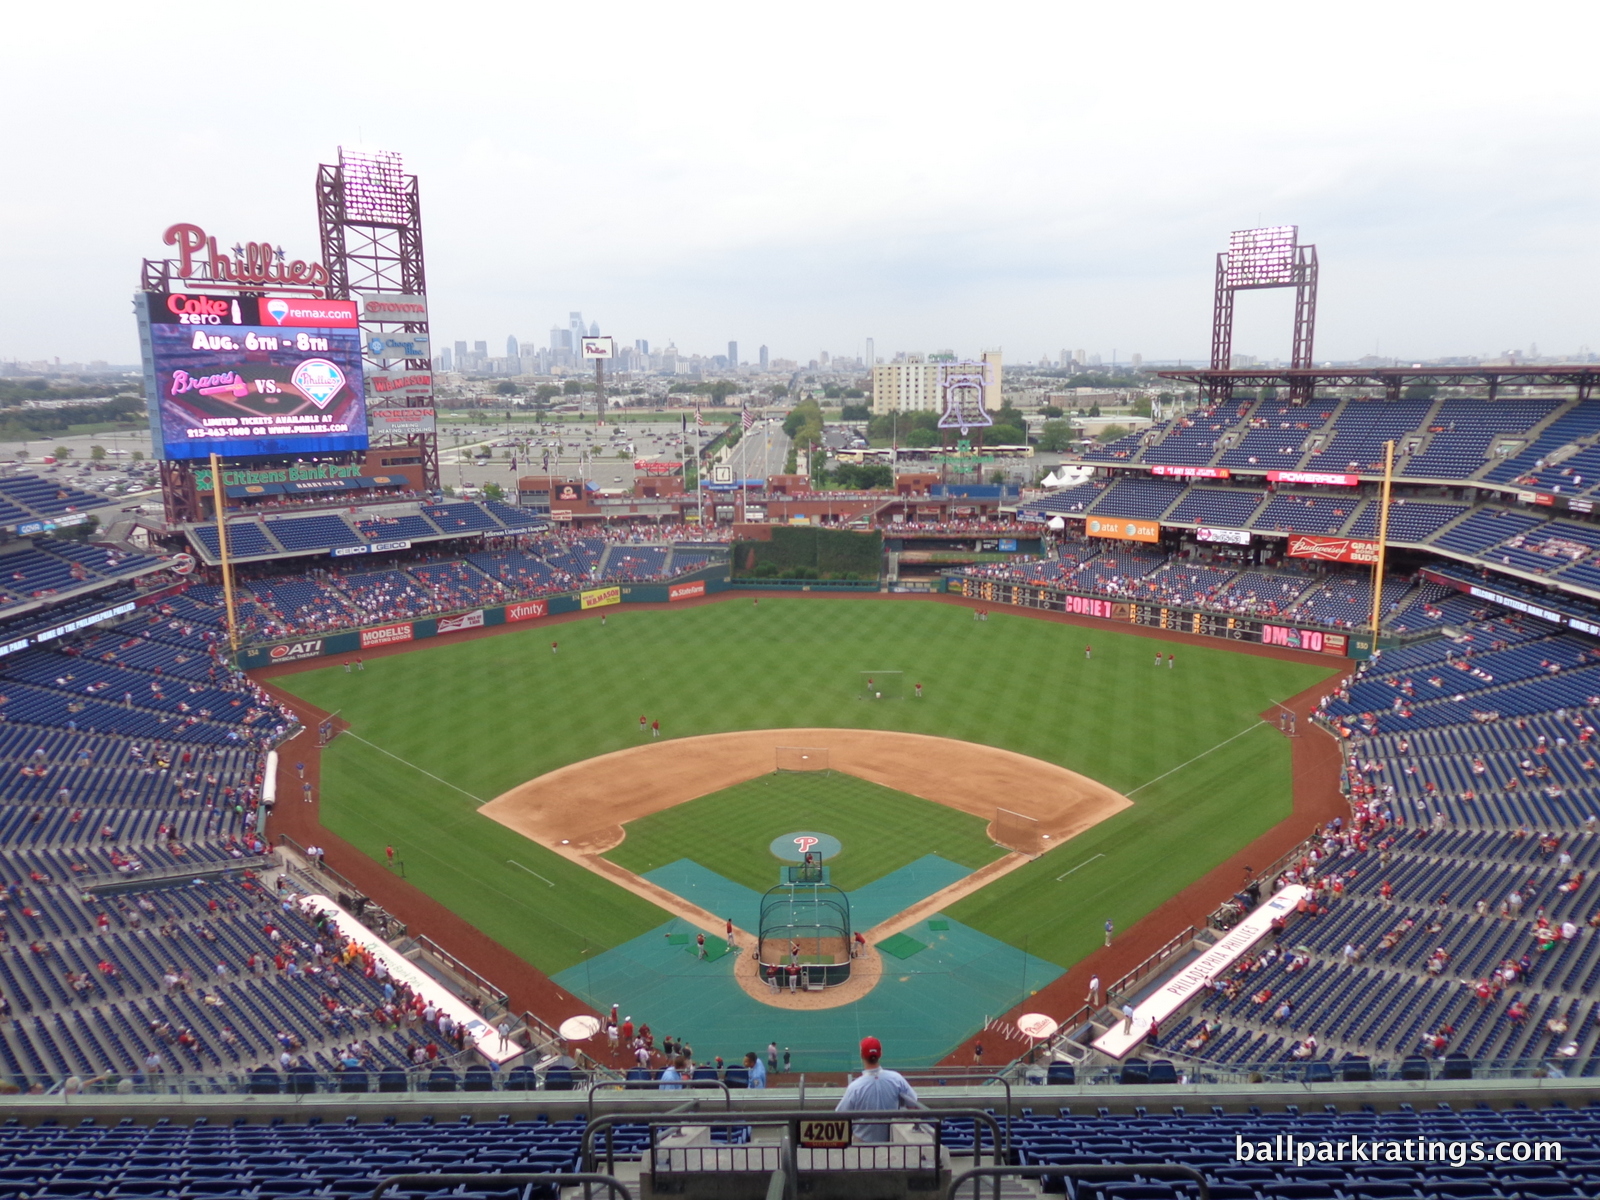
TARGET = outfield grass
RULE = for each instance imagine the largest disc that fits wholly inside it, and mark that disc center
(475, 718)
(731, 831)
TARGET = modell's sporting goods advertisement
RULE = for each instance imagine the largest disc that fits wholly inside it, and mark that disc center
(242, 375)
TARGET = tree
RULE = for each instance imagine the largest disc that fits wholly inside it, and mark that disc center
(921, 438)
(97, 453)
(855, 412)
(778, 391)
(508, 389)
(1094, 409)
(573, 387)
(493, 491)
(1111, 433)
(1055, 435)
(545, 392)
(1050, 411)
(1006, 435)
(62, 452)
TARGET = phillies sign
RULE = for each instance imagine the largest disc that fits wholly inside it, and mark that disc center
(257, 263)
(1193, 472)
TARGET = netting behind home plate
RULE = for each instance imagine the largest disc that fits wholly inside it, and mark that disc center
(802, 758)
(1017, 832)
(808, 923)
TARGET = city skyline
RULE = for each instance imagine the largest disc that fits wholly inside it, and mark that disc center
(1076, 197)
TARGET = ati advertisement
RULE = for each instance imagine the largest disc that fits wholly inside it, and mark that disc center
(1332, 549)
(256, 389)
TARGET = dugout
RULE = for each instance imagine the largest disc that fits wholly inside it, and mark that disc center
(816, 916)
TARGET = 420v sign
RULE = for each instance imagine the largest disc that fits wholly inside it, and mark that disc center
(830, 1133)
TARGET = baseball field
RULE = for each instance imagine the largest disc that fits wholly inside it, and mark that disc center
(436, 732)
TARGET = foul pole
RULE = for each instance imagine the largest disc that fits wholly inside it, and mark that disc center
(219, 503)
(1383, 539)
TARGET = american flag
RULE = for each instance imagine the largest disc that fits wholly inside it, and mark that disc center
(746, 419)
(699, 419)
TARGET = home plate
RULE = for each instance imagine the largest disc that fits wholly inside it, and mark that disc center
(577, 1029)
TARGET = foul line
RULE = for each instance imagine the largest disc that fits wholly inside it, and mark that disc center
(511, 862)
(1196, 758)
(1084, 863)
(414, 767)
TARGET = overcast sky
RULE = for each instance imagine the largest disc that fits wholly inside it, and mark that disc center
(1038, 176)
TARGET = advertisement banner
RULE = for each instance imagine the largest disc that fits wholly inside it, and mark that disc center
(598, 347)
(393, 308)
(1090, 606)
(1331, 478)
(471, 620)
(651, 467)
(1293, 639)
(682, 591)
(412, 387)
(295, 651)
(566, 493)
(1233, 537)
(256, 390)
(276, 312)
(1123, 528)
(399, 345)
(1332, 549)
(387, 635)
(1193, 472)
(600, 597)
(527, 610)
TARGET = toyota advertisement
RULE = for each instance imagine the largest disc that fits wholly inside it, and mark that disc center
(243, 376)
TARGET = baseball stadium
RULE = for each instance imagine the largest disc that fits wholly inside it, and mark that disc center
(1231, 791)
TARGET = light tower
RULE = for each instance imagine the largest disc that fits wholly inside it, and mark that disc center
(1256, 259)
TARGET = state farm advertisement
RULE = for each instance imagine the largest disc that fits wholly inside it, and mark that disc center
(682, 591)
(1332, 479)
(471, 620)
(387, 635)
(1333, 549)
(527, 610)
(295, 651)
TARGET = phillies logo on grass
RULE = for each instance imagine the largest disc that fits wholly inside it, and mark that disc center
(805, 843)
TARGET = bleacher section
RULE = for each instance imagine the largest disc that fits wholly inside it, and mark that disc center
(252, 537)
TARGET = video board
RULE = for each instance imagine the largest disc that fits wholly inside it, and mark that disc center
(244, 375)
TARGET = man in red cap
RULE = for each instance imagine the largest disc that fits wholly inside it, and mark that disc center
(876, 1090)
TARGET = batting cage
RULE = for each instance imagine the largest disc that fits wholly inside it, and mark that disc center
(880, 685)
(807, 925)
(801, 758)
(1017, 832)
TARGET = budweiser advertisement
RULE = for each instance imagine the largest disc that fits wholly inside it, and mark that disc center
(683, 591)
(387, 635)
(1123, 528)
(471, 620)
(1333, 549)
(528, 610)
(1193, 472)
(1332, 479)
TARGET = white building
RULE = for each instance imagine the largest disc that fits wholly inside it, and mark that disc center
(911, 384)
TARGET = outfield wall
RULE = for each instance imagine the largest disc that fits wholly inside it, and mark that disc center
(354, 641)
(1230, 627)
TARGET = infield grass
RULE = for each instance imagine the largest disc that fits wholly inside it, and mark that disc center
(467, 720)
(731, 831)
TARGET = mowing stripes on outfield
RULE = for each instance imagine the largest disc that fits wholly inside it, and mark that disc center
(1195, 759)
(414, 767)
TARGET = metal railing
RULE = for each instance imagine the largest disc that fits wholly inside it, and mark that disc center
(493, 994)
(561, 1179)
(115, 879)
(654, 1085)
(1144, 970)
(976, 1175)
(789, 1119)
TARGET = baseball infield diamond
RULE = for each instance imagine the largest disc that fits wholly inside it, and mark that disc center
(454, 726)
